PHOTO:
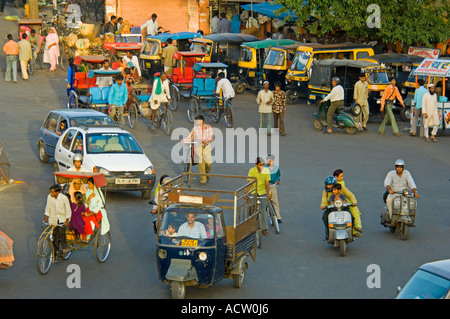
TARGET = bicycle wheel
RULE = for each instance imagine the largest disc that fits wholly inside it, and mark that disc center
(270, 209)
(102, 246)
(31, 66)
(132, 115)
(168, 122)
(258, 231)
(62, 57)
(72, 102)
(192, 110)
(45, 254)
(175, 95)
(228, 114)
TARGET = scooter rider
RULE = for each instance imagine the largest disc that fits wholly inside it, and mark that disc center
(329, 182)
(396, 181)
(77, 164)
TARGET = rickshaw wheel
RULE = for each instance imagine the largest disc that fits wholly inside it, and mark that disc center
(228, 116)
(178, 290)
(168, 122)
(192, 110)
(132, 115)
(102, 246)
(62, 57)
(73, 100)
(44, 256)
(175, 95)
(239, 87)
(238, 280)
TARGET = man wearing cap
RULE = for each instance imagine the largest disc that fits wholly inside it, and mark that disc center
(361, 94)
(430, 113)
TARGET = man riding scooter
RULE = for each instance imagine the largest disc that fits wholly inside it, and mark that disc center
(329, 182)
(395, 182)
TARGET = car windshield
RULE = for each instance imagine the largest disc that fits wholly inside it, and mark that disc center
(100, 143)
(91, 120)
(424, 285)
(378, 77)
(300, 61)
(275, 57)
(187, 228)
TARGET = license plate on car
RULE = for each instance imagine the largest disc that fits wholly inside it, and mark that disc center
(189, 242)
(128, 181)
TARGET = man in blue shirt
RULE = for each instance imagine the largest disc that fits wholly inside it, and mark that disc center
(118, 97)
(418, 97)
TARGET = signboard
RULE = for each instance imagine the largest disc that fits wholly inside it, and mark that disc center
(433, 67)
(427, 53)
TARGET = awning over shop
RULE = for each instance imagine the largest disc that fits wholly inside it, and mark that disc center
(268, 9)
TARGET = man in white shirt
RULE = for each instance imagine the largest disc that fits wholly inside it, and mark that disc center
(129, 57)
(265, 100)
(58, 213)
(396, 181)
(151, 25)
(430, 113)
(104, 81)
(336, 97)
(225, 86)
(192, 228)
(215, 22)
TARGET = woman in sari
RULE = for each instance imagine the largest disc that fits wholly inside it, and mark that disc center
(51, 52)
(76, 186)
(6, 251)
(95, 209)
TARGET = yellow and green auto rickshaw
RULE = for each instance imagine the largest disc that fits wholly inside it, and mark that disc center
(152, 49)
(277, 63)
(223, 47)
(298, 73)
(252, 57)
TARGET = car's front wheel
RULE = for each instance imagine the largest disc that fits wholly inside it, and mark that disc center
(43, 156)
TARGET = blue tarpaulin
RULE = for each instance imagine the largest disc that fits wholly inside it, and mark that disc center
(268, 9)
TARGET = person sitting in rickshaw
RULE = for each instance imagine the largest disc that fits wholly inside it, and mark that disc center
(76, 186)
(130, 58)
(105, 81)
(96, 204)
(78, 209)
(170, 232)
(191, 228)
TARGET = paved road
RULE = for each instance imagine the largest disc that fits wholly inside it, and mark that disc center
(295, 264)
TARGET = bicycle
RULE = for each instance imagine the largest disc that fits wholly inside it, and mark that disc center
(164, 116)
(215, 108)
(189, 162)
(259, 232)
(273, 220)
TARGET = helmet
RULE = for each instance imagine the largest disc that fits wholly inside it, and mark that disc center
(399, 162)
(78, 157)
(336, 79)
(330, 180)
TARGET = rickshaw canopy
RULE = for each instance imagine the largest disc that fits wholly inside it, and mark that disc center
(175, 36)
(268, 43)
(89, 58)
(193, 54)
(393, 58)
(229, 38)
(214, 65)
(433, 67)
(67, 177)
(101, 73)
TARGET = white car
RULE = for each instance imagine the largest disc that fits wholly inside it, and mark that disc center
(111, 151)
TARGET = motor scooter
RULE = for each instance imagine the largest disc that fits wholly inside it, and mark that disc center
(346, 117)
(340, 226)
(403, 213)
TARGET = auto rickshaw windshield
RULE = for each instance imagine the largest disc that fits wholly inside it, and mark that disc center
(151, 47)
(300, 61)
(197, 226)
(378, 77)
(200, 47)
(275, 57)
(246, 55)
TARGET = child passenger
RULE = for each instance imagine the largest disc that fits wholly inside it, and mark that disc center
(78, 209)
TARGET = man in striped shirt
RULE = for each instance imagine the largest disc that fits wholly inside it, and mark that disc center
(203, 135)
(389, 95)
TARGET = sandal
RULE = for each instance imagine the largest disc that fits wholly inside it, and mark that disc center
(265, 233)
(434, 139)
(428, 140)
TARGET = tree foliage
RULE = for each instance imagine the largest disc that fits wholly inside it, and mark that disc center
(410, 21)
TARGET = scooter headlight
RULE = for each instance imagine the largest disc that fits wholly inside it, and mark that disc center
(405, 192)
(338, 204)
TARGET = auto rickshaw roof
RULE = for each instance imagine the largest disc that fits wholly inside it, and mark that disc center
(288, 46)
(175, 36)
(177, 55)
(89, 58)
(268, 43)
(213, 65)
(67, 177)
(390, 58)
(335, 46)
(229, 37)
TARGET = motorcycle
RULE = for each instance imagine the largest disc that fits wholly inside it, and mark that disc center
(403, 213)
(346, 117)
(340, 226)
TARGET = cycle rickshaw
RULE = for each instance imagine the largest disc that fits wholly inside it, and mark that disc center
(203, 92)
(100, 240)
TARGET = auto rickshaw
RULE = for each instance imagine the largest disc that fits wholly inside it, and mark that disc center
(251, 61)
(348, 71)
(152, 49)
(437, 71)
(223, 47)
(227, 223)
(298, 73)
(402, 65)
(277, 63)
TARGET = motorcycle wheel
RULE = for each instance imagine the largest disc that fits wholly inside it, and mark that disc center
(404, 231)
(342, 247)
(350, 130)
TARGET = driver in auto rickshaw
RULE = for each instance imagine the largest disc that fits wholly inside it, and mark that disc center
(191, 228)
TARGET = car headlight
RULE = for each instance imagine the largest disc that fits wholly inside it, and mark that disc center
(103, 171)
(338, 204)
(149, 171)
(202, 256)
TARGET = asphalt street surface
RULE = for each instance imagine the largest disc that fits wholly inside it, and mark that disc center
(294, 264)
